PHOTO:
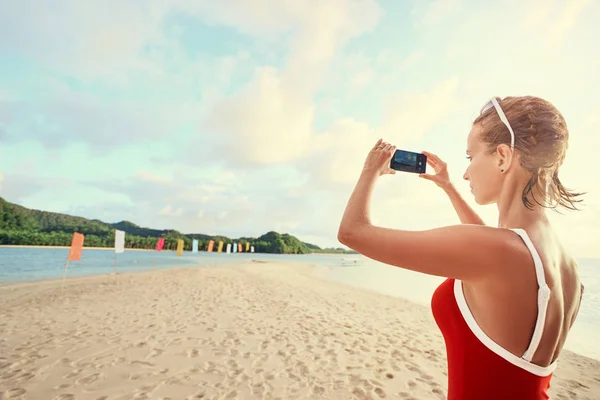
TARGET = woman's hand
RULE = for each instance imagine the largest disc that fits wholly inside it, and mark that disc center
(378, 159)
(440, 177)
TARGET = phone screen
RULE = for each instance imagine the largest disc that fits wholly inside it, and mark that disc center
(408, 161)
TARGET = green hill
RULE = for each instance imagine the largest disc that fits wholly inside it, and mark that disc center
(27, 227)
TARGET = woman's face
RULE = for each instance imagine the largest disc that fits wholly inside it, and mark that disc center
(483, 171)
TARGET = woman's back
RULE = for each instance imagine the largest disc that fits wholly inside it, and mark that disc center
(562, 277)
(494, 347)
(507, 311)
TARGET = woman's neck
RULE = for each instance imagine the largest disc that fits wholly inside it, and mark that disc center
(512, 212)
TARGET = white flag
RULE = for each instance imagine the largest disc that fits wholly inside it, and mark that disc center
(228, 247)
(119, 241)
(195, 246)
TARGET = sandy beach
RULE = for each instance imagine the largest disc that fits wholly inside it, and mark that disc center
(249, 331)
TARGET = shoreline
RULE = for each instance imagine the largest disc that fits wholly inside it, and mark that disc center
(242, 330)
(16, 246)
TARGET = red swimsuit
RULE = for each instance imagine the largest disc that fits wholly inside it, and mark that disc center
(478, 368)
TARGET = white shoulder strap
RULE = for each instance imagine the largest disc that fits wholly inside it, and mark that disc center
(543, 296)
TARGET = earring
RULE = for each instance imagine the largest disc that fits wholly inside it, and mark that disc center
(502, 170)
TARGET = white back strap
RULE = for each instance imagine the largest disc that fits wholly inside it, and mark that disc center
(542, 298)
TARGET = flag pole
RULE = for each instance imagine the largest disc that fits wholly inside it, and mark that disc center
(63, 279)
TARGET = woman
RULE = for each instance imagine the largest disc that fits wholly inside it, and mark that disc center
(512, 292)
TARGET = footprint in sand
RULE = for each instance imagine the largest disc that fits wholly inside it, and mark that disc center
(88, 379)
(576, 385)
(64, 396)
(193, 353)
(16, 392)
(62, 386)
(360, 394)
(156, 352)
(412, 368)
(406, 396)
(5, 365)
(380, 392)
(144, 363)
(25, 376)
(72, 374)
(200, 395)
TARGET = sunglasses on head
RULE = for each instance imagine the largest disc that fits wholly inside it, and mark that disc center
(494, 103)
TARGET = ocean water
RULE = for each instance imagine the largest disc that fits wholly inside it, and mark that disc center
(31, 264)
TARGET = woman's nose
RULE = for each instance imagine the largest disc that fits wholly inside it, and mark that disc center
(466, 175)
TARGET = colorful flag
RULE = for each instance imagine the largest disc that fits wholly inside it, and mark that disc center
(240, 247)
(211, 244)
(195, 246)
(76, 247)
(220, 249)
(228, 248)
(160, 244)
(119, 241)
(179, 247)
(247, 246)
(252, 249)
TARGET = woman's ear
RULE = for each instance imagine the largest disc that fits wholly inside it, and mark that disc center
(504, 156)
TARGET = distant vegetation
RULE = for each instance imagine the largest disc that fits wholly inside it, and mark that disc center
(26, 227)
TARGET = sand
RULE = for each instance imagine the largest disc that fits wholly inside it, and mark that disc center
(250, 331)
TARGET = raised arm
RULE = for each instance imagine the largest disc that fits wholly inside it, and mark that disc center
(466, 252)
(441, 178)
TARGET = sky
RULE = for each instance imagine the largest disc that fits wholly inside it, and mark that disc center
(241, 117)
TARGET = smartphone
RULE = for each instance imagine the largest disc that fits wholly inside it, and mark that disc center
(408, 161)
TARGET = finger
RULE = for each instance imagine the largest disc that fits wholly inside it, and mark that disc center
(426, 176)
(431, 162)
(378, 143)
(431, 156)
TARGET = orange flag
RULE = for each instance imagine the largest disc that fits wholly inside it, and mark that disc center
(239, 247)
(211, 243)
(76, 247)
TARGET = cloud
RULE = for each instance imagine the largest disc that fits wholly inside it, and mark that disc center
(18, 187)
(264, 124)
(340, 151)
(73, 117)
(86, 39)
(168, 211)
(271, 120)
(428, 13)
(556, 18)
